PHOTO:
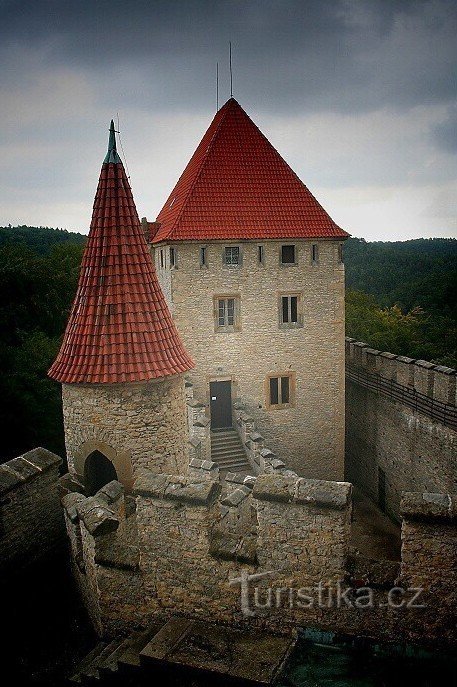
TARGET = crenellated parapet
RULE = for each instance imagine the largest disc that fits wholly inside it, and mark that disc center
(103, 535)
(31, 522)
(435, 382)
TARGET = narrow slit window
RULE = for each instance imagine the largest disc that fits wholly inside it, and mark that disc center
(315, 252)
(340, 253)
(161, 258)
(261, 254)
(172, 257)
(274, 391)
(203, 257)
(285, 390)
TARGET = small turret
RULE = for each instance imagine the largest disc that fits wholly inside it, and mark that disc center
(122, 361)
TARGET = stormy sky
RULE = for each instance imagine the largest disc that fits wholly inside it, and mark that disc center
(359, 96)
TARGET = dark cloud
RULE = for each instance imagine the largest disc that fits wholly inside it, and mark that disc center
(338, 55)
(445, 134)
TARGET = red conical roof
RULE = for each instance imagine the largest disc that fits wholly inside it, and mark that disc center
(237, 186)
(120, 328)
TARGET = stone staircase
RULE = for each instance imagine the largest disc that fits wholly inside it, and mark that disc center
(192, 651)
(228, 452)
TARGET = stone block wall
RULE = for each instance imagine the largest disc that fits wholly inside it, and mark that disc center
(303, 528)
(310, 432)
(31, 520)
(429, 560)
(414, 451)
(135, 426)
(104, 545)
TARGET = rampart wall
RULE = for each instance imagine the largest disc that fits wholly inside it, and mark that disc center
(31, 520)
(401, 422)
(188, 549)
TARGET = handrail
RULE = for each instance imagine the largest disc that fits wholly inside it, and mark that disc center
(443, 412)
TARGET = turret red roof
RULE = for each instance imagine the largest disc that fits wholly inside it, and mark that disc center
(237, 186)
(120, 328)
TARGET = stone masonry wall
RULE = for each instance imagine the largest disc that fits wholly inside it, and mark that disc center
(105, 554)
(416, 453)
(429, 559)
(187, 552)
(31, 520)
(310, 433)
(133, 425)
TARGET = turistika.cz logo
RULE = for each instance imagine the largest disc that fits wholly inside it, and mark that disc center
(325, 595)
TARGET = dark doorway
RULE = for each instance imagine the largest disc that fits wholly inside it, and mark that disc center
(382, 489)
(220, 404)
(98, 471)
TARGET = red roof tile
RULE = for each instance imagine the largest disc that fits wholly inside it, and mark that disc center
(120, 328)
(237, 186)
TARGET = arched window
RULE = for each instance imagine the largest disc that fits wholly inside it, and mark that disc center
(98, 471)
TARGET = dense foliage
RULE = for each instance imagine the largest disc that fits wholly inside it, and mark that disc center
(401, 298)
(36, 292)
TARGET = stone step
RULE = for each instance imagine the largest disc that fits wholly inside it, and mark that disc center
(189, 651)
(86, 662)
(131, 656)
(93, 671)
(231, 461)
(228, 454)
(110, 665)
(227, 442)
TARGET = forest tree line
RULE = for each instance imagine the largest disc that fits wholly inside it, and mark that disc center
(400, 298)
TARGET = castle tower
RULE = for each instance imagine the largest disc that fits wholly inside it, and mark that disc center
(251, 265)
(122, 361)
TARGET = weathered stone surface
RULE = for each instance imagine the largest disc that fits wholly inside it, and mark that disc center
(97, 518)
(428, 506)
(42, 458)
(31, 517)
(274, 488)
(322, 493)
(8, 479)
(135, 426)
(111, 492)
(204, 492)
(236, 497)
(71, 502)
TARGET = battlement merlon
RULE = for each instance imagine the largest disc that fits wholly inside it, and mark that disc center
(302, 491)
(429, 507)
(175, 488)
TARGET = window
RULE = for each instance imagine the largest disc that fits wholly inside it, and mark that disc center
(340, 253)
(161, 258)
(280, 391)
(203, 257)
(172, 257)
(232, 256)
(261, 254)
(227, 313)
(290, 311)
(288, 255)
(315, 253)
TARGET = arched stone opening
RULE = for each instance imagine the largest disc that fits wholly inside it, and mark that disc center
(98, 471)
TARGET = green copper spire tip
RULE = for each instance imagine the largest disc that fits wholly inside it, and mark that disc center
(111, 155)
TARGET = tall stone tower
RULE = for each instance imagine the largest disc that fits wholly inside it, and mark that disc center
(121, 363)
(251, 265)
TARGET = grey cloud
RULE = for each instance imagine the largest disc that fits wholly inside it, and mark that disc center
(339, 55)
(445, 134)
